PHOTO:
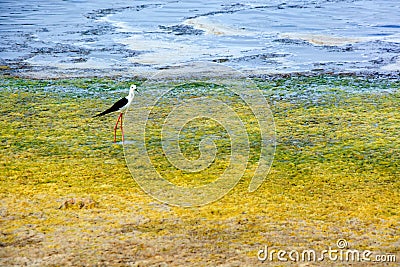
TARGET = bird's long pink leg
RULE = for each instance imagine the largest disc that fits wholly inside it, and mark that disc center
(115, 128)
(122, 129)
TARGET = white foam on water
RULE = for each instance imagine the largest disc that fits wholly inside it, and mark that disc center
(325, 40)
(392, 67)
(394, 38)
(91, 63)
(120, 25)
(210, 26)
(157, 52)
(161, 52)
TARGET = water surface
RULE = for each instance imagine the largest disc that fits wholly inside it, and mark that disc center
(55, 38)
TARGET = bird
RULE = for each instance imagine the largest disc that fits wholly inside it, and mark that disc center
(121, 105)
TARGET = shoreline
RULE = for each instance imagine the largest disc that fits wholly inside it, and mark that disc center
(176, 71)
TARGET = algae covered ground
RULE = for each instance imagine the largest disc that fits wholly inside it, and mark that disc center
(68, 198)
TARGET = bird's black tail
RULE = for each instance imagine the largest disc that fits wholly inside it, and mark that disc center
(105, 112)
(116, 107)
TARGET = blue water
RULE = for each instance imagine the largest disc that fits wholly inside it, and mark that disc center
(56, 38)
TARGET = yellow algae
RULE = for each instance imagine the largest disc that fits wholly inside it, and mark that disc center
(335, 175)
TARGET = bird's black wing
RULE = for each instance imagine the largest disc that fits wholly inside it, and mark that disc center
(117, 106)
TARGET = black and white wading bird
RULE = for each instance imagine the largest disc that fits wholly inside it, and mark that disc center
(121, 105)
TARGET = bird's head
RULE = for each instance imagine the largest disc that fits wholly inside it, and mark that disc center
(132, 90)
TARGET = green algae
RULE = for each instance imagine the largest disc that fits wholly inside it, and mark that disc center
(335, 175)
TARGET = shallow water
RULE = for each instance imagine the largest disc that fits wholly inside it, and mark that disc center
(56, 38)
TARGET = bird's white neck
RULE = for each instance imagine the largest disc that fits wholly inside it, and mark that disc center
(131, 95)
